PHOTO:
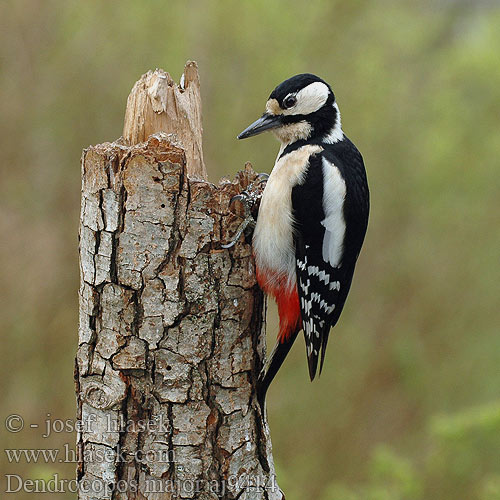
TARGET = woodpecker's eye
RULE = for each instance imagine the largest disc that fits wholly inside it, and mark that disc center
(289, 101)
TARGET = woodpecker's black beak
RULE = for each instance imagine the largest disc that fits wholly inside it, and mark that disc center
(265, 122)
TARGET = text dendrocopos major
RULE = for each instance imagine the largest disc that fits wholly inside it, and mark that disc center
(312, 218)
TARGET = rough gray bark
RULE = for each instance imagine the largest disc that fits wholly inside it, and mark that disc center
(170, 336)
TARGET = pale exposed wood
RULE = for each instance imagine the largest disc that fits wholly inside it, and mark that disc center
(171, 332)
(157, 104)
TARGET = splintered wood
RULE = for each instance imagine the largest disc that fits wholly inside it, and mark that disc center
(171, 325)
(157, 104)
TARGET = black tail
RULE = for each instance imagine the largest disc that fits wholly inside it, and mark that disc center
(274, 363)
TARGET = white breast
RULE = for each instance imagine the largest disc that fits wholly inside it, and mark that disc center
(273, 235)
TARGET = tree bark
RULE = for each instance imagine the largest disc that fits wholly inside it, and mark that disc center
(171, 326)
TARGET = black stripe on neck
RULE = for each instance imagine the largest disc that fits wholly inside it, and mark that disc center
(294, 146)
(317, 141)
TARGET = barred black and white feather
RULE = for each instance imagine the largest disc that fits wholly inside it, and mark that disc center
(330, 208)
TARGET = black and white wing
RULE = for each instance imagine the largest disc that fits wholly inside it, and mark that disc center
(321, 206)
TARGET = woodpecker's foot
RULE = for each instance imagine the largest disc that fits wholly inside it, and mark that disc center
(248, 223)
(250, 200)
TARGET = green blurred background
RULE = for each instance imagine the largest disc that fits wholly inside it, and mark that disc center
(408, 406)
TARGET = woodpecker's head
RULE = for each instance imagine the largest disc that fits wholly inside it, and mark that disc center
(302, 107)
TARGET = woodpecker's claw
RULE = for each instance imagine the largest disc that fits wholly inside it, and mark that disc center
(243, 198)
(237, 197)
(247, 223)
(250, 199)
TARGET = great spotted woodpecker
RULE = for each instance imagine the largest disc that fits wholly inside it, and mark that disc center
(312, 218)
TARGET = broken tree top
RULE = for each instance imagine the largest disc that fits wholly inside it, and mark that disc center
(157, 104)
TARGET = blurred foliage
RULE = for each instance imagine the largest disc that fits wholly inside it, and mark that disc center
(418, 84)
(463, 457)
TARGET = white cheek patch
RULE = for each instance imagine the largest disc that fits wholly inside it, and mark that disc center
(309, 99)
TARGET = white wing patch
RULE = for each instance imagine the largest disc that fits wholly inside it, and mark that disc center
(334, 191)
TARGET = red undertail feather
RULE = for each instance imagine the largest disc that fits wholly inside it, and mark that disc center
(287, 299)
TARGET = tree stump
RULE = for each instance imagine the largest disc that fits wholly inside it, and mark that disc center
(171, 325)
